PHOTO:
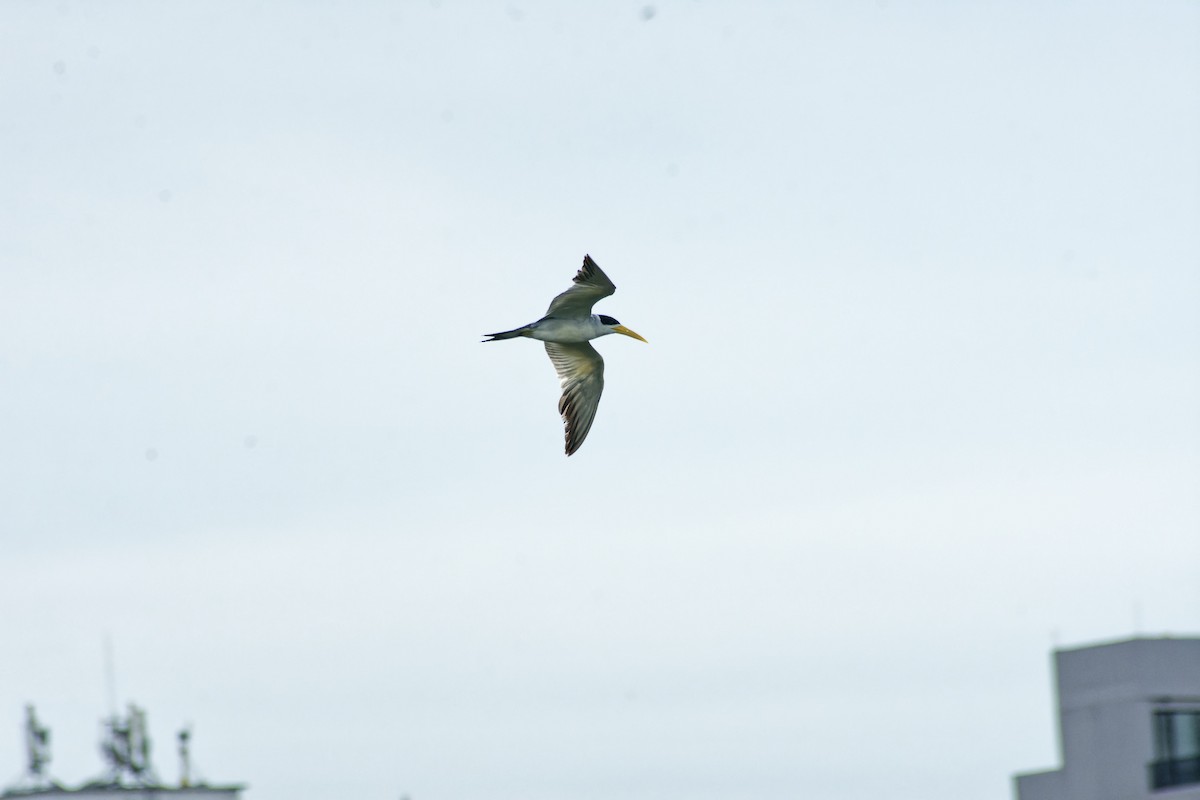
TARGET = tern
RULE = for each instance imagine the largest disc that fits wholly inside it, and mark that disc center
(566, 329)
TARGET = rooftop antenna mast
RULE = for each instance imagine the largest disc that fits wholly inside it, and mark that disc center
(37, 748)
(185, 757)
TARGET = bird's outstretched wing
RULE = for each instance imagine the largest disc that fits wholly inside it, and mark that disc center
(581, 370)
(591, 284)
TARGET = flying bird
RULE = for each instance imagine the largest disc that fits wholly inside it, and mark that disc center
(566, 329)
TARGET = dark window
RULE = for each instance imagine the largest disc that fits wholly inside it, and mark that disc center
(1176, 749)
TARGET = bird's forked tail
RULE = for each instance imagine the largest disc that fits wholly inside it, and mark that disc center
(495, 337)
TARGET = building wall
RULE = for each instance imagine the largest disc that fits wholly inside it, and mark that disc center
(1041, 786)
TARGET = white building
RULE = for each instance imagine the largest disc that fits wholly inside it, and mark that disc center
(1129, 723)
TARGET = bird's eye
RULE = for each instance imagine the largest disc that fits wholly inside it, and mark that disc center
(607, 320)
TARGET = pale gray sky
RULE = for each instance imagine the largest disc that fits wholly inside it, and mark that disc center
(920, 282)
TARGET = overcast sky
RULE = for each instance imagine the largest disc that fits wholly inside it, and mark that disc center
(920, 401)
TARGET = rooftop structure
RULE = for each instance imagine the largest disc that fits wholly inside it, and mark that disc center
(130, 775)
(1129, 723)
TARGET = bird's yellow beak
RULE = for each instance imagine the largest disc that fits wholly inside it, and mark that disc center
(627, 332)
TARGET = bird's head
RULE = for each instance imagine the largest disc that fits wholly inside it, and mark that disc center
(616, 327)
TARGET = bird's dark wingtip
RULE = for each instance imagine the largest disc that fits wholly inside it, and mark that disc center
(571, 443)
(585, 272)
